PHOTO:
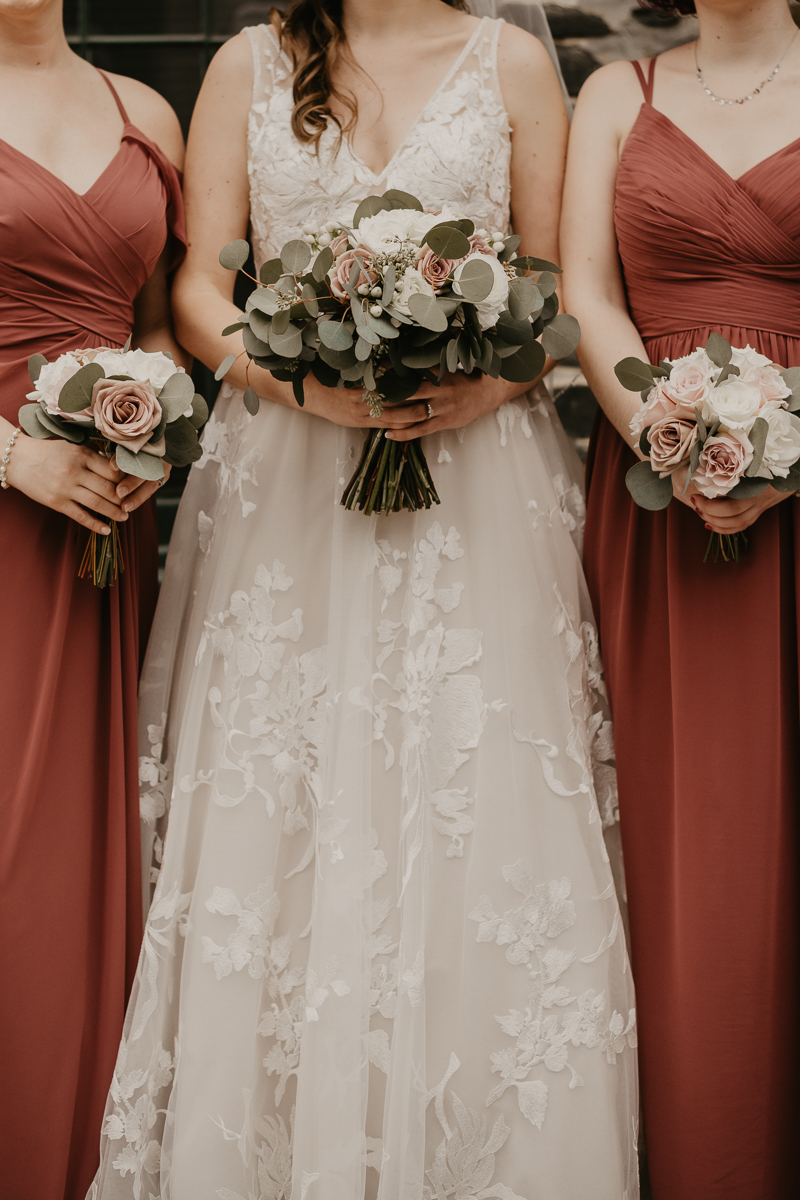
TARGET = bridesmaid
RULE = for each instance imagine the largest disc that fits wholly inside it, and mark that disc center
(88, 195)
(682, 217)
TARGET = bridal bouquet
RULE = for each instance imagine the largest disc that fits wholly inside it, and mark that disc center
(395, 298)
(725, 415)
(130, 404)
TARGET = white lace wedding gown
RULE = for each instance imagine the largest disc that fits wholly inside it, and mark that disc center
(384, 957)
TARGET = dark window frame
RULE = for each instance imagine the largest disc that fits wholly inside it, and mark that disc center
(205, 39)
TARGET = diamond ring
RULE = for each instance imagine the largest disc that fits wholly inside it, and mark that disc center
(430, 410)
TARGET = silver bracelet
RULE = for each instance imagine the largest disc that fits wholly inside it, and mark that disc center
(6, 456)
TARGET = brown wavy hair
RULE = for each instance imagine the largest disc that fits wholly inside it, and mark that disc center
(313, 33)
(686, 7)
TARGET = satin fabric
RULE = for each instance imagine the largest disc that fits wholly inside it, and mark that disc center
(702, 667)
(71, 267)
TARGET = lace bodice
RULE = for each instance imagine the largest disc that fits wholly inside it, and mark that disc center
(457, 152)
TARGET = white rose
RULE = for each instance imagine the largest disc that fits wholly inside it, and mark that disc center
(491, 306)
(782, 449)
(52, 378)
(734, 403)
(749, 361)
(413, 283)
(386, 232)
(155, 368)
(698, 357)
(113, 362)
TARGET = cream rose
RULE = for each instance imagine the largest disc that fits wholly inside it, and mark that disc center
(688, 385)
(734, 403)
(723, 461)
(52, 378)
(671, 441)
(782, 449)
(126, 411)
(154, 368)
(491, 306)
(413, 283)
(339, 274)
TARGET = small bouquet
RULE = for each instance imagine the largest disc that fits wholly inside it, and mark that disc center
(137, 406)
(396, 298)
(724, 414)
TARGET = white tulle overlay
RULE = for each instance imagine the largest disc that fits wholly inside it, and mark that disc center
(384, 957)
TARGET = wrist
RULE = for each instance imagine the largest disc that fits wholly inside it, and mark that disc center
(5, 458)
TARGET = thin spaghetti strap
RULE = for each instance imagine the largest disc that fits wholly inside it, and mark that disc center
(113, 91)
(647, 84)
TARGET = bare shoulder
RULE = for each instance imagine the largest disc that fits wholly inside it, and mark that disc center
(150, 112)
(233, 60)
(528, 80)
(520, 54)
(610, 99)
(228, 86)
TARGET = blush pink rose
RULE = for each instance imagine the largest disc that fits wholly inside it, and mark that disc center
(339, 244)
(671, 441)
(771, 384)
(477, 245)
(688, 385)
(339, 274)
(657, 406)
(723, 461)
(435, 269)
(126, 411)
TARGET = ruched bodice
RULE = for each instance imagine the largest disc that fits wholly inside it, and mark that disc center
(71, 267)
(701, 662)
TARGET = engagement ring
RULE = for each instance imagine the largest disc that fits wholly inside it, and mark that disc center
(430, 411)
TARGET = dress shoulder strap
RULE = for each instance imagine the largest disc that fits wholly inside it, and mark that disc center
(114, 93)
(647, 84)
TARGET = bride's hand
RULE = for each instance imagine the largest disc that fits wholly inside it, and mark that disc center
(72, 480)
(456, 402)
(344, 406)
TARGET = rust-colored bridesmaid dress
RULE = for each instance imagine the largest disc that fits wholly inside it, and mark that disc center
(70, 892)
(702, 666)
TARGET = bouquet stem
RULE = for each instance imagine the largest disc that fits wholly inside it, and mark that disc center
(726, 546)
(102, 559)
(390, 476)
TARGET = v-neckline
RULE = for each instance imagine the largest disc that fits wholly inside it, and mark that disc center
(78, 195)
(462, 56)
(735, 179)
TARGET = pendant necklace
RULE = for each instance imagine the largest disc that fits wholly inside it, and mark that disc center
(755, 91)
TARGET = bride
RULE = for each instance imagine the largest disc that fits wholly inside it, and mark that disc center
(384, 956)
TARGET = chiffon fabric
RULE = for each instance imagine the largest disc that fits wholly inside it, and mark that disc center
(70, 893)
(702, 666)
(384, 956)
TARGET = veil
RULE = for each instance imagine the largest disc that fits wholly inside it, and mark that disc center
(527, 14)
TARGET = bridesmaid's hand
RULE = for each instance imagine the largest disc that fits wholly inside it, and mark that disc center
(72, 480)
(734, 516)
(456, 402)
(138, 490)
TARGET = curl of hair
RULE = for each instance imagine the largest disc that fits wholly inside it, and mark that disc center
(313, 34)
(685, 7)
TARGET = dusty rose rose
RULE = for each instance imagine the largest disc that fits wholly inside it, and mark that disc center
(339, 244)
(435, 269)
(126, 411)
(478, 245)
(723, 461)
(657, 406)
(339, 273)
(688, 385)
(671, 440)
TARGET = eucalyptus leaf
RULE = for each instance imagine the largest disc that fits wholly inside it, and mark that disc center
(524, 298)
(369, 335)
(510, 244)
(728, 370)
(143, 466)
(224, 366)
(183, 447)
(322, 264)
(718, 350)
(354, 373)
(427, 313)
(465, 353)
(549, 309)
(297, 386)
(382, 327)
(280, 320)
(340, 360)
(451, 352)
(295, 256)
(634, 374)
(310, 300)
(546, 283)
(265, 300)
(251, 401)
(389, 277)
(369, 207)
(791, 483)
(28, 417)
(448, 304)
(403, 199)
(68, 430)
(525, 365)
(447, 241)
(127, 345)
(758, 440)
(271, 271)
(255, 346)
(397, 389)
(424, 357)
(528, 263)
(35, 364)
(516, 332)
(199, 411)
(288, 344)
(562, 335)
(363, 349)
(746, 488)
(260, 324)
(232, 257)
(644, 442)
(647, 489)
(286, 286)
(176, 397)
(335, 336)
(476, 280)
(76, 394)
(791, 377)
(487, 354)
(702, 429)
(237, 325)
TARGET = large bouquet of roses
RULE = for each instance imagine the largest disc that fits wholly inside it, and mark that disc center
(724, 415)
(136, 406)
(397, 297)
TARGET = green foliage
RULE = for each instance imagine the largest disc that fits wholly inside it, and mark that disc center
(233, 256)
(224, 366)
(718, 350)
(76, 394)
(251, 401)
(28, 418)
(183, 447)
(295, 256)
(647, 489)
(561, 336)
(402, 199)
(447, 240)
(143, 466)
(634, 374)
(525, 365)
(35, 364)
(176, 395)
(476, 280)
(427, 313)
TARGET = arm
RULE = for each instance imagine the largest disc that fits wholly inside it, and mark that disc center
(217, 212)
(539, 125)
